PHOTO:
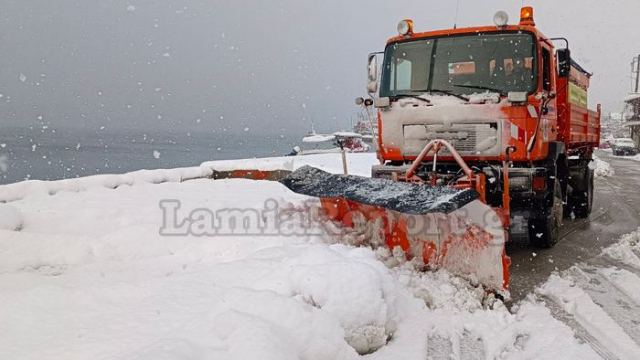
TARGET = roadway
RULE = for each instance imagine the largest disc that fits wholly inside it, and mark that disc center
(616, 212)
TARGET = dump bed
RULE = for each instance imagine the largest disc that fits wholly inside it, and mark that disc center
(578, 127)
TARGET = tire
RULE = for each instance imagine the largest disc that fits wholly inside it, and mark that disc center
(582, 201)
(544, 233)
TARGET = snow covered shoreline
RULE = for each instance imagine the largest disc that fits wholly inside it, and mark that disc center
(87, 274)
(359, 164)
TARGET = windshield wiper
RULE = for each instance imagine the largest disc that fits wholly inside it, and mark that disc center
(481, 87)
(397, 96)
(448, 92)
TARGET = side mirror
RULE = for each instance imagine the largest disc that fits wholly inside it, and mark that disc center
(372, 78)
(563, 56)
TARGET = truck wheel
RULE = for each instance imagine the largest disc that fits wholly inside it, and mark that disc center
(583, 200)
(544, 233)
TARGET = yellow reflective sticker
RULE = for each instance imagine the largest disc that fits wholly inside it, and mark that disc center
(577, 95)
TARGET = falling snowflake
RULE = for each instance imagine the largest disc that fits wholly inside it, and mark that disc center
(156, 154)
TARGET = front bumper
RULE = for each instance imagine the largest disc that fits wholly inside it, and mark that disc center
(523, 196)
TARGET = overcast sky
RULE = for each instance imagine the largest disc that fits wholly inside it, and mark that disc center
(272, 66)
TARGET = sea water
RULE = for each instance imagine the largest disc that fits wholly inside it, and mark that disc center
(51, 154)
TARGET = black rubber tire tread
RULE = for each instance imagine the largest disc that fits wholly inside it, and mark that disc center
(582, 201)
(545, 233)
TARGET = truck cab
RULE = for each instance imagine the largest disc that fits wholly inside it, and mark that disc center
(505, 97)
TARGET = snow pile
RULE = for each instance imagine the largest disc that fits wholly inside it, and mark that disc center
(267, 297)
(626, 250)
(20, 190)
(600, 167)
(358, 291)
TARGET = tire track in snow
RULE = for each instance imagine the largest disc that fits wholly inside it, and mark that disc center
(465, 347)
(625, 281)
(580, 332)
(439, 347)
(617, 304)
(606, 331)
(471, 347)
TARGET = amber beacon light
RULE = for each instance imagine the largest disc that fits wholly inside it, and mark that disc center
(526, 16)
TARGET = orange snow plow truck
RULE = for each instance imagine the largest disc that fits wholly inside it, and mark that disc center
(481, 131)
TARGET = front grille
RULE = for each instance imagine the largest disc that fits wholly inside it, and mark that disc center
(468, 139)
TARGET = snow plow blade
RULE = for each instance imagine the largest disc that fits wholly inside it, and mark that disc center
(446, 228)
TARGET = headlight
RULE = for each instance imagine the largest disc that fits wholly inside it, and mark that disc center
(405, 27)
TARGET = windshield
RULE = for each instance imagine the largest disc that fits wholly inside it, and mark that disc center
(461, 65)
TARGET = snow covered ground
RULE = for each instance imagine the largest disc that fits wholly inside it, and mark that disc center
(601, 299)
(632, 157)
(86, 273)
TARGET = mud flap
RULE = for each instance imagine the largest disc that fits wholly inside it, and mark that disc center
(445, 228)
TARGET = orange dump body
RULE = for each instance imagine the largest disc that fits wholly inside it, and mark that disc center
(578, 127)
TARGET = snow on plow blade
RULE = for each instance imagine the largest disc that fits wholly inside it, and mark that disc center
(447, 228)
